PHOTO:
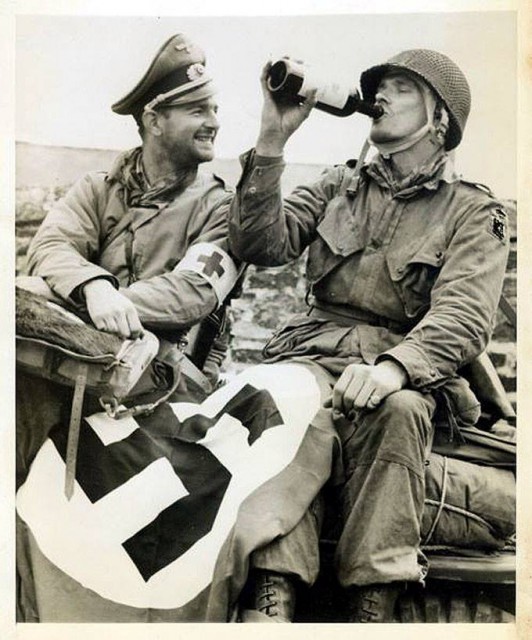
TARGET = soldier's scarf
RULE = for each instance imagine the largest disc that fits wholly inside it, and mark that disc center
(130, 174)
(427, 174)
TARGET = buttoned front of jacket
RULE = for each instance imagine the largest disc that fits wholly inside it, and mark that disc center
(380, 252)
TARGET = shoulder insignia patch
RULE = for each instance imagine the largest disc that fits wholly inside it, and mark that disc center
(498, 224)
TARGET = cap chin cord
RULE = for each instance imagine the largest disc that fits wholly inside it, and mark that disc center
(195, 91)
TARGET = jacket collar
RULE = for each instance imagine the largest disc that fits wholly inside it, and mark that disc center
(128, 171)
(427, 176)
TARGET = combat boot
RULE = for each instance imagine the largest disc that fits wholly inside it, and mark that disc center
(268, 597)
(374, 603)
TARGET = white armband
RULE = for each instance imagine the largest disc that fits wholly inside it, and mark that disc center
(213, 264)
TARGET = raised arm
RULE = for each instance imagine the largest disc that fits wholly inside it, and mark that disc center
(264, 229)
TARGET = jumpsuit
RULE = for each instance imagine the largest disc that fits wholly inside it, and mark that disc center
(408, 271)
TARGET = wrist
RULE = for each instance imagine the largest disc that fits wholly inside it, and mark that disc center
(269, 146)
(96, 286)
(396, 369)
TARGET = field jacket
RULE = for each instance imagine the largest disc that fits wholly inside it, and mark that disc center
(72, 246)
(418, 270)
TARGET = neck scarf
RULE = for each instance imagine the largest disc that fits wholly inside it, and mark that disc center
(428, 174)
(129, 172)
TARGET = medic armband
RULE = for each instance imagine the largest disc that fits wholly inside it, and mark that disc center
(213, 264)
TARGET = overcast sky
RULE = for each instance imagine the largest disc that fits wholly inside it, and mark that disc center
(70, 69)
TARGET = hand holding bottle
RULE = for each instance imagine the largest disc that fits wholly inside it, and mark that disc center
(291, 81)
(279, 120)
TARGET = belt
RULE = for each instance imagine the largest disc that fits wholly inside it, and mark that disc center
(352, 316)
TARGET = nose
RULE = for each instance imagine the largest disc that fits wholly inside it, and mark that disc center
(381, 96)
(211, 120)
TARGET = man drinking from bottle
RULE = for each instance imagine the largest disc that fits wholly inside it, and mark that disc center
(405, 266)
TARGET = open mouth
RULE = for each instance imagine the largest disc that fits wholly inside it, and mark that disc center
(383, 114)
(205, 137)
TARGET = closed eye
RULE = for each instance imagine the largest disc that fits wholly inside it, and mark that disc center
(396, 84)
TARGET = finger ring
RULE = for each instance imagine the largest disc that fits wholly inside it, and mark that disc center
(375, 399)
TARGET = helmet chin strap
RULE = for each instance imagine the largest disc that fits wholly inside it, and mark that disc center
(387, 149)
(436, 132)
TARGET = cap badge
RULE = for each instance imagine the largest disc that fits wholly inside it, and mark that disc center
(195, 71)
(186, 47)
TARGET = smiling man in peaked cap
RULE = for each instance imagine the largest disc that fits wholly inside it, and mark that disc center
(177, 75)
(144, 245)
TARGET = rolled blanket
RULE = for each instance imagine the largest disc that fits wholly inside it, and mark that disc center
(52, 343)
(467, 505)
(40, 319)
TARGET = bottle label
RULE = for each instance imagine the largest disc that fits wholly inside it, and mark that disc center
(330, 93)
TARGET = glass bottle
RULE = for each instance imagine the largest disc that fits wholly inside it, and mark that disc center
(290, 82)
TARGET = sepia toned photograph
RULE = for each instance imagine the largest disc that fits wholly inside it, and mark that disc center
(265, 317)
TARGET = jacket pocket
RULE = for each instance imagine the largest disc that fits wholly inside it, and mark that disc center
(340, 230)
(338, 235)
(414, 273)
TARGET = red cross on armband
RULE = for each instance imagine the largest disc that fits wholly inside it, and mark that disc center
(213, 264)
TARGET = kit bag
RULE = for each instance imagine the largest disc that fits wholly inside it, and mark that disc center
(467, 505)
(470, 499)
(56, 345)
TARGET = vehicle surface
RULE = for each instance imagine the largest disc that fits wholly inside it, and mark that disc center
(461, 587)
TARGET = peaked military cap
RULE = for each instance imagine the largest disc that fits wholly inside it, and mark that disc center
(175, 76)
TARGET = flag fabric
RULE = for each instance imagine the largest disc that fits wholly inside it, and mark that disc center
(168, 507)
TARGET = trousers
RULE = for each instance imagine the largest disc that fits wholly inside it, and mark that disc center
(378, 504)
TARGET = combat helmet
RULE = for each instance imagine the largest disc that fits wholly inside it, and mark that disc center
(442, 75)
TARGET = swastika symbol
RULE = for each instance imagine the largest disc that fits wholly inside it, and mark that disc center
(212, 264)
(103, 469)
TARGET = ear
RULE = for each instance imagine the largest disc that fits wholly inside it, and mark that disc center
(150, 120)
(441, 121)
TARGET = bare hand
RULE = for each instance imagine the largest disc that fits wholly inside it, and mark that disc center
(279, 121)
(110, 311)
(363, 386)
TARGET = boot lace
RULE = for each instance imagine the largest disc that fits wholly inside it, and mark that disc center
(266, 601)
